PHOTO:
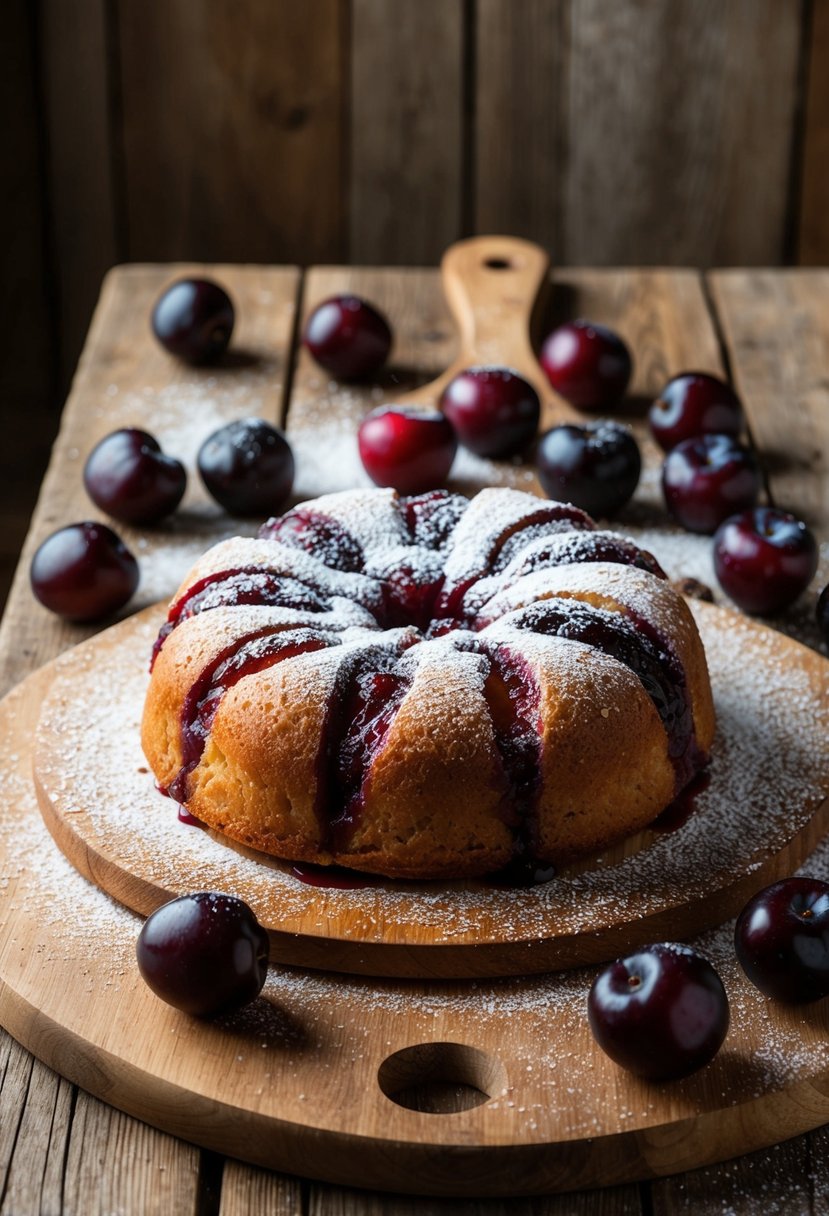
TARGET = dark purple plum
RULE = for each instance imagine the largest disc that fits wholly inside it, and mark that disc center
(347, 336)
(193, 320)
(248, 467)
(206, 954)
(782, 940)
(706, 479)
(409, 449)
(83, 572)
(691, 404)
(128, 476)
(595, 467)
(661, 1013)
(588, 364)
(494, 411)
(764, 559)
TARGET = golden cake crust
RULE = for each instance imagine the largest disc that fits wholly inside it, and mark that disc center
(402, 754)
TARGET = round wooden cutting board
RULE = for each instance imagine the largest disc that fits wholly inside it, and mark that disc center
(323, 1072)
(764, 810)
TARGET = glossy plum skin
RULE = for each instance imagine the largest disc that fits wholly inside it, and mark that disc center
(494, 411)
(128, 476)
(764, 559)
(410, 450)
(206, 954)
(248, 467)
(822, 613)
(708, 478)
(782, 940)
(595, 467)
(83, 572)
(588, 364)
(347, 336)
(691, 404)
(193, 320)
(661, 1013)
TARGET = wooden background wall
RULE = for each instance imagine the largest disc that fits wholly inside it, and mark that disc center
(377, 131)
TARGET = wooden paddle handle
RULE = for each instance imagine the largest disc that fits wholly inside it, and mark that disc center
(495, 287)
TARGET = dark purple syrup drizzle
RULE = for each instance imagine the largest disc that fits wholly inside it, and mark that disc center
(184, 816)
(337, 878)
(512, 696)
(249, 654)
(367, 710)
(560, 513)
(432, 518)
(589, 547)
(449, 606)
(245, 585)
(409, 601)
(678, 812)
(624, 638)
(520, 872)
(318, 534)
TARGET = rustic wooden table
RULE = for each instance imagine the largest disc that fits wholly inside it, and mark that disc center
(64, 1151)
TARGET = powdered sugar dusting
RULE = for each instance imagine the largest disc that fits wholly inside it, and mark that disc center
(554, 1078)
(765, 783)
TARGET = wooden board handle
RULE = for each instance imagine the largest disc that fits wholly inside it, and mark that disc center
(496, 287)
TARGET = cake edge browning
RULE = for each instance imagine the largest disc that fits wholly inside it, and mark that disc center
(434, 793)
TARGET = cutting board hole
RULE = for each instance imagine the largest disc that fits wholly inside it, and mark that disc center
(499, 264)
(441, 1078)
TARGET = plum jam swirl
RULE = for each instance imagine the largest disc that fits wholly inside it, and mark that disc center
(247, 655)
(624, 638)
(248, 585)
(513, 697)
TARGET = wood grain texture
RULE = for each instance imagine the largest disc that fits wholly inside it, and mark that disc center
(618, 1201)
(776, 330)
(246, 1191)
(233, 129)
(45, 1105)
(813, 219)
(521, 77)
(664, 102)
(405, 195)
(670, 328)
(250, 1084)
(115, 1164)
(497, 288)
(124, 369)
(125, 837)
(81, 166)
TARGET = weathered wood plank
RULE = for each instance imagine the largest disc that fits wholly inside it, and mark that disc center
(813, 220)
(78, 114)
(15, 1075)
(665, 101)
(43, 1106)
(246, 1191)
(615, 1201)
(116, 1164)
(777, 343)
(668, 328)
(126, 379)
(775, 1180)
(233, 129)
(662, 314)
(520, 89)
(323, 415)
(776, 328)
(406, 168)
